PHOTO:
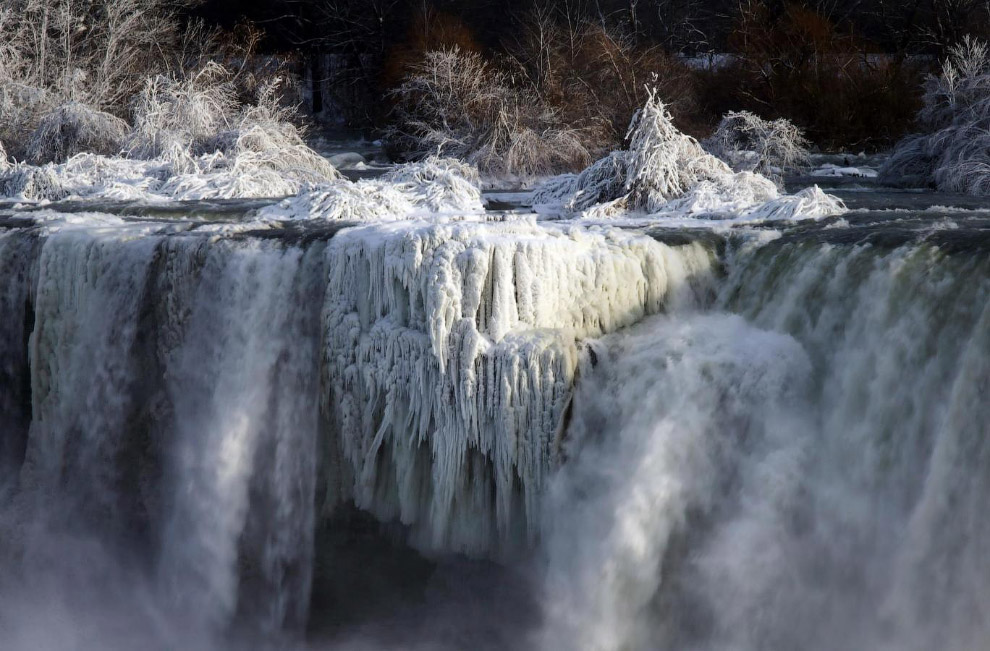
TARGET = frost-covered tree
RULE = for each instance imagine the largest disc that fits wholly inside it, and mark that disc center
(952, 150)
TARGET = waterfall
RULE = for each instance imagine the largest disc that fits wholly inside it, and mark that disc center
(811, 477)
(681, 441)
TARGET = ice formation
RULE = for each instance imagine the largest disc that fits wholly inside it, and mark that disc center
(952, 153)
(666, 173)
(451, 353)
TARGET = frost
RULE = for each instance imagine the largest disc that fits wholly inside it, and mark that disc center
(952, 153)
(175, 119)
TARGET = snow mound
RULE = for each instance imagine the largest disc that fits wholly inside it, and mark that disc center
(809, 203)
(434, 185)
(73, 128)
(665, 173)
(952, 153)
(748, 143)
(451, 355)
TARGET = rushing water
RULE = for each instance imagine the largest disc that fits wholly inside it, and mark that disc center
(200, 448)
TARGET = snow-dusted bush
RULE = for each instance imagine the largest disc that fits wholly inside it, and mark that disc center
(434, 185)
(456, 104)
(73, 128)
(266, 138)
(175, 119)
(31, 183)
(748, 143)
(952, 151)
(666, 173)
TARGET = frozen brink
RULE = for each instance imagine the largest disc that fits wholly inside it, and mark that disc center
(529, 369)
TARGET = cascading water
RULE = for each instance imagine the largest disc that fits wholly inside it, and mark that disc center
(730, 487)
(784, 450)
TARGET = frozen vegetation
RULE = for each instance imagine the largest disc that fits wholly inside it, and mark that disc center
(454, 103)
(665, 173)
(951, 152)
(748, 143)
(434, 185)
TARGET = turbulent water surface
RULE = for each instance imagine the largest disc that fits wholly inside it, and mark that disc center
(218, 434)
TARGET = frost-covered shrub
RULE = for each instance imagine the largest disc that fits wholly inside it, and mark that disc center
(748, 143)
(952, 151)
(265, 138)
(434, 185)
(667, 173)
(456, 104)
(73, 128)
(32, 183)
(174, 119)
(660, 164)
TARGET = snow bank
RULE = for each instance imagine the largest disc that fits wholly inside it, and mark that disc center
(451, 353)
(666, 173)
(435, 185)
(952, 153)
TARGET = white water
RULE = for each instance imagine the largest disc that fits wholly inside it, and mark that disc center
(807, 473)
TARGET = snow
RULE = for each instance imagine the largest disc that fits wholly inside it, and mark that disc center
(434, 185)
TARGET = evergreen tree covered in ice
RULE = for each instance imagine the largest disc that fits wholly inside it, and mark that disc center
(952, 150)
